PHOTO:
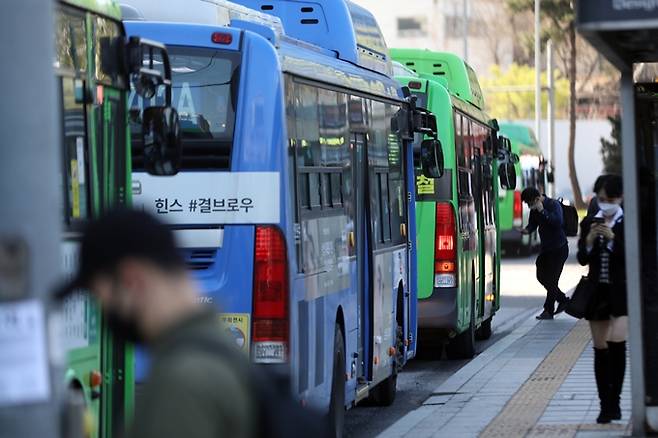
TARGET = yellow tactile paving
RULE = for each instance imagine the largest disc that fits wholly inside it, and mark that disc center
(520, 415)
(570, 430)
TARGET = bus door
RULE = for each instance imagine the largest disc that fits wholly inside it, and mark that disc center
(489, 215)
(79, 311)
(360, 212)
(484, 199)
(478, 195)
(113, 173)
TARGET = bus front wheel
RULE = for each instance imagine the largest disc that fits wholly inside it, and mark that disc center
(337, 402)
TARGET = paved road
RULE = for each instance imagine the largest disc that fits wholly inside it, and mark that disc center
(521, 296)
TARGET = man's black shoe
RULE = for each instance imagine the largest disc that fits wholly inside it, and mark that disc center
(561, 306)
(545, 315)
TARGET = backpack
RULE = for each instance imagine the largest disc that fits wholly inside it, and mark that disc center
(570, 219)
(280, 415)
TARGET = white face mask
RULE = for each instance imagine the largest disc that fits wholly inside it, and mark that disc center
(609, 209)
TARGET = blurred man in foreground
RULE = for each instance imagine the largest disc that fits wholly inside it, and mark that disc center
(130, 264)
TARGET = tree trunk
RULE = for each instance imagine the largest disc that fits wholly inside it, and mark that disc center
(573, 176)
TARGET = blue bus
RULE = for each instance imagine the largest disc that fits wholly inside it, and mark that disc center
(294, 201)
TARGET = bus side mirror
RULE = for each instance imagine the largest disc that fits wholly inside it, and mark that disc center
(507, 176)
(148, 64)
(431, 158)
(161, 140)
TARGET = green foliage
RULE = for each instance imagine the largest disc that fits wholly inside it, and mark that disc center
(514, 105)
(611, 150)
(561, 12)
(557, 17)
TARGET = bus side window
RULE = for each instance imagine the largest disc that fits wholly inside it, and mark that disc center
(318, 120)
(76, 192)
(378, 165)
(396, 184)
(70, 41)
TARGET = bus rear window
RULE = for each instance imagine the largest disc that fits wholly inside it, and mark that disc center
(204, 92)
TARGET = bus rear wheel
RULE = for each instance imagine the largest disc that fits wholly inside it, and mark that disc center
(384, 393)
(337, 402)
(485, 331)
(462, 346)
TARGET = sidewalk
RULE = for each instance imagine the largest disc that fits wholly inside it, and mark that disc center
(537, 381)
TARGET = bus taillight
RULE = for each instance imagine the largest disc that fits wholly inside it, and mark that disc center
(445, 246)
(270, 306)
(518, 209)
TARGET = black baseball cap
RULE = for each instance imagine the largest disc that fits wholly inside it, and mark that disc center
(117, 235)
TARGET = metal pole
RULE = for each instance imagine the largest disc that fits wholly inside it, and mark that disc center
(537, 73)
(30, 185)
(465, 19)
(632, 237)
(551, 110)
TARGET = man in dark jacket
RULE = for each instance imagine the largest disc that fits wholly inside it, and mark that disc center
(129, 262)
(546, 214)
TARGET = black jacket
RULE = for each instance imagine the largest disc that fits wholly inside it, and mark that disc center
(593, 257)
(551, 225)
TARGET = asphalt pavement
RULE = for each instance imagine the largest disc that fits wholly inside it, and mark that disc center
(522, 296)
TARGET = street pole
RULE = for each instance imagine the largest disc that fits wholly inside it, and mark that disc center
(465, 30)
(551, 111)
(537, 73)
(632, 245)
(30, 187)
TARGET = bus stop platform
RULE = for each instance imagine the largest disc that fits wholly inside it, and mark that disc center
(538, 381)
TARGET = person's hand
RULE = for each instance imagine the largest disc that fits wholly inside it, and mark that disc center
(606, 232)
(592, 236)
(539, 206)
(599, 230)
(524, 231)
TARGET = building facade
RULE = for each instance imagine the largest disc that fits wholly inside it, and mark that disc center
(439, 25)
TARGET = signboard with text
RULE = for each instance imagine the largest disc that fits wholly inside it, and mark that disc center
(219, 198)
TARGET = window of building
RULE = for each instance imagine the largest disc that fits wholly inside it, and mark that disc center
(412, 27)
(454, 26)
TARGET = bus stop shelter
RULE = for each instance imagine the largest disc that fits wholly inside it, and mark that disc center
(626, 33)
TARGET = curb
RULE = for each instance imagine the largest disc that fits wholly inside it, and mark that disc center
(451, 386)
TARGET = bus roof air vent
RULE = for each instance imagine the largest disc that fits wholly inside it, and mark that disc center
(337, 25)
(211, 12)
(446, 68)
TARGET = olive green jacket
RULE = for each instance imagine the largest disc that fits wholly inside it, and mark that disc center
(191, 391)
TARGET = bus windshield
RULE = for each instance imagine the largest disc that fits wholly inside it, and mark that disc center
(204, 92)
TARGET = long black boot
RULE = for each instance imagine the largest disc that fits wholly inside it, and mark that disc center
(602, 374)
(617, 370)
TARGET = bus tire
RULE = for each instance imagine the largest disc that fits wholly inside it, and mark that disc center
(462, 346)
(337, 401)
(384, 393)
(485, 331)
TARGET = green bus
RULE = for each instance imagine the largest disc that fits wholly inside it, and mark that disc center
(94, 65)
(532, 171)
(456, 215)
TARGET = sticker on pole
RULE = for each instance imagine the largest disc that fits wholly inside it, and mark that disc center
(210, 197)
(23, 358)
